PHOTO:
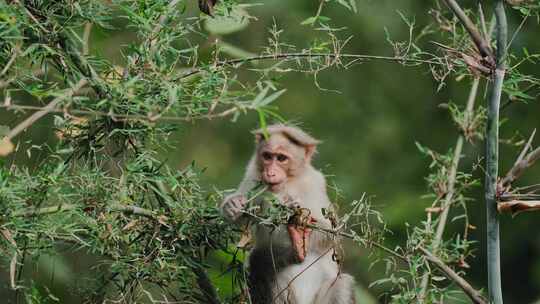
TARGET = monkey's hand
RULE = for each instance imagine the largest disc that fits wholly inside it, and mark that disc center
(232, 206)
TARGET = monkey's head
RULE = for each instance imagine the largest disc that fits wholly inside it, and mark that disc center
(283, 154)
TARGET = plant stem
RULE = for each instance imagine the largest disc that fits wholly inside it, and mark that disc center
(45, 110)
(127, 209)
(481, 44)
(450, 186)
(473, 294)
(492, 159)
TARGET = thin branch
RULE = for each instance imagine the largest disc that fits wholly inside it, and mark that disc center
(450, 185)
(291, 56)
(519, 167)
(127, 209)
(16, 52)
(119, 117)
(525, 148)
(481, 44)
(472, 293)
(45, 110)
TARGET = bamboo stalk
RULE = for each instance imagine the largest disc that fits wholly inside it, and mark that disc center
(492, 159)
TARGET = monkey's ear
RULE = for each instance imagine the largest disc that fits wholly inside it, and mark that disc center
(259, 135)
(310, 151)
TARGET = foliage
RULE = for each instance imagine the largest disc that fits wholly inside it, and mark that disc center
(103, 189)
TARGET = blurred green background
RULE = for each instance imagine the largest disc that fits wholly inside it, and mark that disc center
(368, 129)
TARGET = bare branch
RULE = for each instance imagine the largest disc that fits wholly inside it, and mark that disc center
(516, 206)
(481, 44)
(519, 167)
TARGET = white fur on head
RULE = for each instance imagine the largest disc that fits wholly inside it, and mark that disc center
(293, 133)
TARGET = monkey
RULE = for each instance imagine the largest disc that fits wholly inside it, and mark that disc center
(279, 271)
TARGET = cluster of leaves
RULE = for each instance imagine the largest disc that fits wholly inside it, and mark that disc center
(101, 188)
(151, 225)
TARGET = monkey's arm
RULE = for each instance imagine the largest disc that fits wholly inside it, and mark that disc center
(233, 205)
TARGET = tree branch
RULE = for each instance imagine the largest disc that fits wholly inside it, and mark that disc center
(44, 110)
(450, 185)
(519, 167)
(120, 117)
(291, 56)
(472, 293)
(481, 44)
(128, 209)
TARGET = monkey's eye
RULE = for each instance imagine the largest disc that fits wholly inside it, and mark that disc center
(281, 158)
(267, 156)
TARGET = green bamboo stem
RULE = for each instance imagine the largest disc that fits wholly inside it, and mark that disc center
(492, 159)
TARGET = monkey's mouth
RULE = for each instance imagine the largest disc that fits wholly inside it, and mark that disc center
(274, 185)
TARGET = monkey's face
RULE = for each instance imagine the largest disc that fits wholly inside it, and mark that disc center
(278, 160)
(274, 167)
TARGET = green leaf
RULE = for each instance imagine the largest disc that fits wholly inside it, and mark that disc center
(309, 21)
(260, 97)
(270, 98)
(235, 51)
(237, 20)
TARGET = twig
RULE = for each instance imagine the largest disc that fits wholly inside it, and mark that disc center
(525, 148)
(492, 159)
(481, 44)
(517, 206)
(450, 185)
(128, 209)
(472, 293)
(520, 167)
(16, 52)
(45, 110)
(114, 116)
(313, 55)
(521, 164)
